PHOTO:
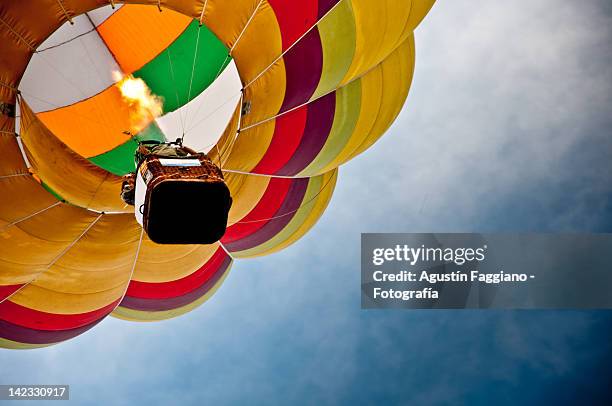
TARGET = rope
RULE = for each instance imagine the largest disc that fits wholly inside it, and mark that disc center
(219, 156)
(22, 39)
(12, 88)
(271, 64)
(195, 57)
(292, 45)
(55, 106)
(289, 212)
(203, 10)
(313, 100)
(100, 76)
(180, 115)
(246, 25)
(237, 132)
(95, 193)
(212, 112)
(258, 174)
(221, 105)
(68, 17)
(54, 261)
(29, 216)
(229, 55)
(127, 285)
(65, 42)
(15, 175)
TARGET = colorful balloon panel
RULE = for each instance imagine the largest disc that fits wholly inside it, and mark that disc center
(279, 93)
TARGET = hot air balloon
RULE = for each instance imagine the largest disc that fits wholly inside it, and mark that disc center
(280, 93)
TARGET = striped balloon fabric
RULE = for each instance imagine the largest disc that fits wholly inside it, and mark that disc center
(280, 93)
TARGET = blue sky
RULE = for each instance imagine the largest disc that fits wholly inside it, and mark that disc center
(507, 127)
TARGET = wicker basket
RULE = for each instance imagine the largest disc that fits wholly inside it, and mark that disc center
(186, 201)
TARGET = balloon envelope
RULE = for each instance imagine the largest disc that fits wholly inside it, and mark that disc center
(279, 93)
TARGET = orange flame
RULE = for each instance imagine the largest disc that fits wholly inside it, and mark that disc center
(143, 105)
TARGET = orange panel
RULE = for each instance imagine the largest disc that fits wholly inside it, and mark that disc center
(92, 126)
(74, 178)
(137, 33)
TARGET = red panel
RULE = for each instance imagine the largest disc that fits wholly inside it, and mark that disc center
(6, 291)
(294, 18)
(287, 136)
(181, 286)
(270, 202)
(34, 319)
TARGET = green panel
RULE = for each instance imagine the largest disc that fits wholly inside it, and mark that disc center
(169, 75)
(120, 160)
(151, 132)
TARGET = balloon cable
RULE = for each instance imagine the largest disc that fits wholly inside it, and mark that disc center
(127, 285)
(55, 260)
(289, 212)
(195, 58)
(229, 55)
(180, 114)
(29, 216)
(203, 11)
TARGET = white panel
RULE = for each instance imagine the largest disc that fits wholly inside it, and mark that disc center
(68, 73)
(99, 15)
(67, 32)
(207, 115)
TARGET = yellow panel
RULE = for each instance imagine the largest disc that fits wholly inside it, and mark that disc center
(226, 142)
(165, 263)
(371, 22)
(418, 11)
(95, 271)
(28, 247)
(45, 300)
(246, 190)
(56, 223)
(136, 34)
(74, 178)
(227, 19)
(337, 31)
(260, 44)
(371, 95)
(92, 253)
(397, 73)
(250, 147)
(21, 197)
(11, 163)
(379, 97)
(266, 94)
(92, 126)
(382, 26)
(92, 273)
(23, 26)
(14, 345)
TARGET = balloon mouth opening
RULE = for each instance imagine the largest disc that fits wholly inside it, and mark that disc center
(87, 92)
